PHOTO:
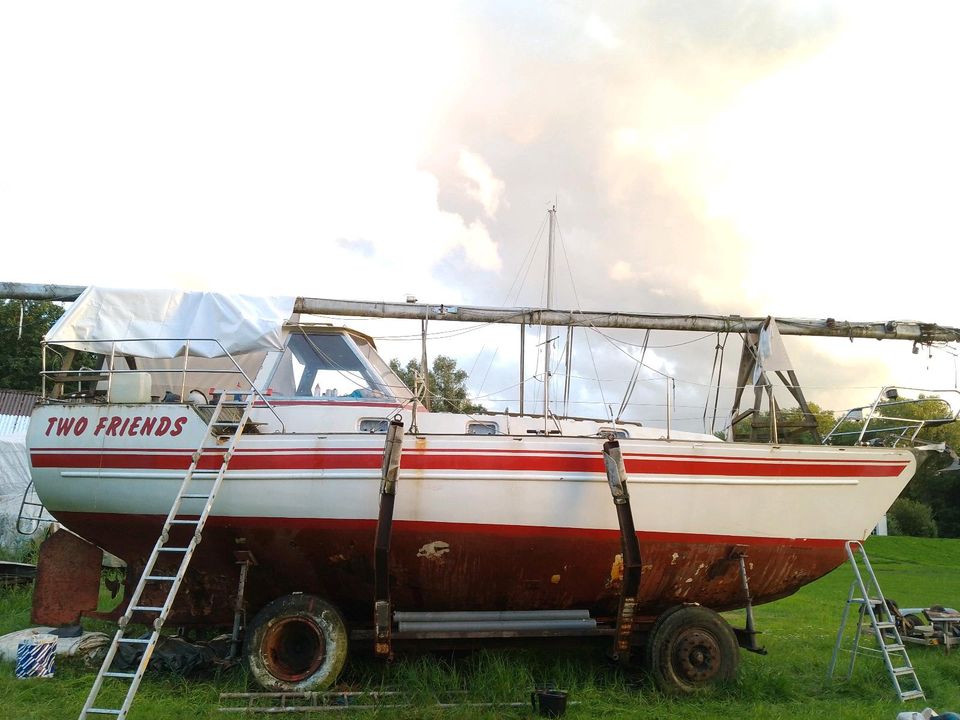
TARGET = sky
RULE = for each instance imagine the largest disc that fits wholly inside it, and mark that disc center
(790, 158)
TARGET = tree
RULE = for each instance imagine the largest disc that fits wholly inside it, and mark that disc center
(447, 384)
(909, 517)
(790, 422)
(20, 359)
(936, 483)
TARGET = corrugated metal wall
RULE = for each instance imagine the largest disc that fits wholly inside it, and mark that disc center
(15, 409)
(12, 424)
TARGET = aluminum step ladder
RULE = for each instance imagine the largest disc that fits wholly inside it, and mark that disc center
(226, 424)
(872, 609)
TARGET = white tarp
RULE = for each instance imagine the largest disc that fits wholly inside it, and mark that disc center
(154, 323)
(771, 352)
(14, 478)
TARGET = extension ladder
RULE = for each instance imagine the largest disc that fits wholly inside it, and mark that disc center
(873, 607)
(219, 426)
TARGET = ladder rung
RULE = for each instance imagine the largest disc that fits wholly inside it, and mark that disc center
(886, 625)
(166, 578)
(911, 694)
(895, 647)
(184, 522)
(174, 549)
(903, 670)
(136, 641)
(194, 496)
(146, 608)
(103, 711)
(120, 675)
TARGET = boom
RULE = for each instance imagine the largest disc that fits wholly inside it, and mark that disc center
(828, 327)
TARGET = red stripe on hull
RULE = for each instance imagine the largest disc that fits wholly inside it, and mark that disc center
(325, 460)
(444, 566)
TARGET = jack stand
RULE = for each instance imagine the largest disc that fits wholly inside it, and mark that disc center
(746, 637)
(382, 612)
(626, 614)
(245, 559)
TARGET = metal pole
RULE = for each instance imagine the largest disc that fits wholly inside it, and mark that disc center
(568, 361)
(546, 352)
(773, 415)
(669, 408)
(390, 470)
(632, 562)
(523, 345)
(183, 377)
(889, 330)
(424, 368)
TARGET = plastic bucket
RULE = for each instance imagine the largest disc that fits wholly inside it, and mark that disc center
(35, 656)
(549, 702)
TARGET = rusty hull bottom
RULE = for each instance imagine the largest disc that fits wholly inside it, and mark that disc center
(68, 580)
(441, 566)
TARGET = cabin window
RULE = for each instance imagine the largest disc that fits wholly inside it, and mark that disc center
(482, 428)
(610, 432)
(373, 425)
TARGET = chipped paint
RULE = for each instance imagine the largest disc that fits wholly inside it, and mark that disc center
(434, 550)
(616, 570)
(673, 559)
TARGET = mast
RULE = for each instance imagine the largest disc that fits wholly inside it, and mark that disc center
(546, 353)
(911, 330)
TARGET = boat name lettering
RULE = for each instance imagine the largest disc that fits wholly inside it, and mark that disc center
(116, 425)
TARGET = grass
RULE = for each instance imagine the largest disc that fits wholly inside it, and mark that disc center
(790, 682)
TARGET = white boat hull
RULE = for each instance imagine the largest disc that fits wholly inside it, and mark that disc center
(481, 522)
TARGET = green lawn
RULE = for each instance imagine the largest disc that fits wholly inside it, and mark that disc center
(788, 683)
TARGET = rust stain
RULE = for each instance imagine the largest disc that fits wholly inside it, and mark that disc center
(68, 580)
(555, 579)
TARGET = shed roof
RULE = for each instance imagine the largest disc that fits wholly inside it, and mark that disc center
(17, 402)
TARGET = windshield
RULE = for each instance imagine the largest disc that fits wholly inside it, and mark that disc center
(329, 366)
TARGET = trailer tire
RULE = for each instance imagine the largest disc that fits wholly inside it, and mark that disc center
(296, 643)
(690, 648)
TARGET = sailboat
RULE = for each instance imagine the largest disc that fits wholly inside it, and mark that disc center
(234, 427)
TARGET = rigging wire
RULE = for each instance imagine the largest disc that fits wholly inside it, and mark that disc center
(576, 297)
(716, 369)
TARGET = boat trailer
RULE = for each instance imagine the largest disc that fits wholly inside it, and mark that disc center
(391, 626)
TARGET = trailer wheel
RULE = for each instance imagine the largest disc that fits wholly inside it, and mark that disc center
(297, 642)
(689, 648)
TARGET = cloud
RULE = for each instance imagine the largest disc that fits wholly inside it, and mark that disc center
(749, 157)
(596, 29)
(485, 188)
(622, 271)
